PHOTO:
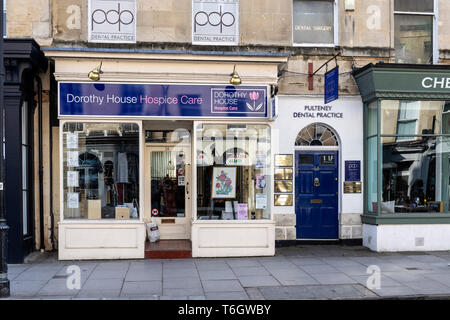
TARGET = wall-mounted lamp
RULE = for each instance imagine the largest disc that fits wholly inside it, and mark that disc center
(95, 73)
(235, 79)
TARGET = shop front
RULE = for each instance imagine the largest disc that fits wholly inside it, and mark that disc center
(407, 148)
(193, 157)
(318, 168)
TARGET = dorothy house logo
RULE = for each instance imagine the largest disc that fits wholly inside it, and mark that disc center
(215, 22)
(112, 21)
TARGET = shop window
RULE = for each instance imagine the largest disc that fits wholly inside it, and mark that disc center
(414, 23)
(401, 117)
(101, 170)
(233, 172)
(315, 22)
(408, 112)
(316, 135)
(414, 159)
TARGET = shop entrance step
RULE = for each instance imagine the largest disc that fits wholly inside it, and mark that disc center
(168, 249)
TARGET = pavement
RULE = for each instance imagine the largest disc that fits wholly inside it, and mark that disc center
(298, 272)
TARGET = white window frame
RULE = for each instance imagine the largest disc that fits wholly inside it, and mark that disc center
(434, 36)
(62, 122)
(335, 28)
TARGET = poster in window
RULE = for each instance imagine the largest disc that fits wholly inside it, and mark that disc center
(72, 200)
(72, 179)
(72, 140)
(242, 211)
(224, 182)
(260, 181)
(72, 158)
(261, 201)
(260, 161)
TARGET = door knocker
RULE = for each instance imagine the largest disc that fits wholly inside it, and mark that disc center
(316, 182)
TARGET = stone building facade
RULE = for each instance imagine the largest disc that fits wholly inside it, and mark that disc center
(365, 34)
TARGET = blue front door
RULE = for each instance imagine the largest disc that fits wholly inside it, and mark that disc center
(316, 194)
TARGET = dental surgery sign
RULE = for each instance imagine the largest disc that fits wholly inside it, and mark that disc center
(161, 100)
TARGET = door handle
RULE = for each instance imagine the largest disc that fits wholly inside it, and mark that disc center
(316, 182)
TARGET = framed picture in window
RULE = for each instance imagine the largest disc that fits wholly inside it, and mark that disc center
(223, 183)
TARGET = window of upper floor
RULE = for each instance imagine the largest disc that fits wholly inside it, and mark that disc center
(415, 31)
(315, 22)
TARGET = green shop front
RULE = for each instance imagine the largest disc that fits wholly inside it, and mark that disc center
(407, 156)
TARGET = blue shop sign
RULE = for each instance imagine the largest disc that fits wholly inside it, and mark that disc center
(353, 170)
(161, 100)
(332, 85)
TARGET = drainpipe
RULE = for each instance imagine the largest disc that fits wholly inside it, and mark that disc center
(41, 172)
(4, 281)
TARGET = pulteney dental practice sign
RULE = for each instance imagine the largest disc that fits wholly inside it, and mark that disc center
(161, 100)
(112, 21)
(331, 85)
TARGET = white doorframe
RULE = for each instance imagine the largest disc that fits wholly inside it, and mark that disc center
(170, 227)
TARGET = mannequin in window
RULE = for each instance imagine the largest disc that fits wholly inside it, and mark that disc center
(89, 167)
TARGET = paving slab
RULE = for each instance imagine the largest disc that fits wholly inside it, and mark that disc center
(250, 271)
(336, 291)
(319, 268)
(333, 278)
(222, 286)
(443, 278)
(98, 288)
(196, 298)
(384, 280)
(149, 275)
(26, 288)
(398, 291)
(141, 288)
(287, 293)
(182, 283)
(306, 261)
(226, 296)
(217, 274)
(57, 287)
(237, 262)
(198, 291)
(258, 281)
(429, 287)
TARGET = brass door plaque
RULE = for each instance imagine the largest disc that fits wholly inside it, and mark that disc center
(352, 187)
(316, 200)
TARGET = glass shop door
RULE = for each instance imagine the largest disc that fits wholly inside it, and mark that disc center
(168, 189)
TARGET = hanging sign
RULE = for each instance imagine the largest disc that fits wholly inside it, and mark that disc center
(161, 100)
(331, 85)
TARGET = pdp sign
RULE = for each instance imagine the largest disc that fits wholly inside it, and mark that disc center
(112, 21)
(215, 22)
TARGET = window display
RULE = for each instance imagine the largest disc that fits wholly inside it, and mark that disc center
(412, 157)
(101, 170)
(233, 171)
